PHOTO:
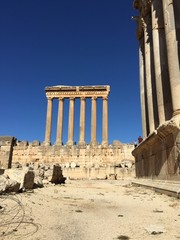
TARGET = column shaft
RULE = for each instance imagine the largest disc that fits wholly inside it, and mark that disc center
(71, 122)
(157, 30)
(105, 122)
(93, 121)
(172, 53)
(142, 87)
(148, 67)
(47, 140)
(60, 122)
(82, 121)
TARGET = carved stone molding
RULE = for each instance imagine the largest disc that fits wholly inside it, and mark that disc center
(77, 91)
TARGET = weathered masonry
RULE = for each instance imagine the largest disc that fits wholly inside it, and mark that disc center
(72, 93)
(158, 33)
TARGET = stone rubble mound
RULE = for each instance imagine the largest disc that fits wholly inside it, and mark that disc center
(32, 176)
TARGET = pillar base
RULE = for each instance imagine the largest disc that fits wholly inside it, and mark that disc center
(93, 143)
(82, 143)
(45, 143)
(104, 144)
(70, 143)
(58, 143)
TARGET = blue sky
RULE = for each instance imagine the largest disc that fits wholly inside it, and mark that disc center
(67, 42)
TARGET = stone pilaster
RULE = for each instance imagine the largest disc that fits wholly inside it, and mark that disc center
(47, 140)
(93, 121)
(105, 122)
(82, 122)
(172, 53)
(60, 122)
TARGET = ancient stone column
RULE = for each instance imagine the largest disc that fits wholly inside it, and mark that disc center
(47, 140)
(82, 122)
(93, 121)
(159, 54)
(105, 122)
(71, 122)
(142, 87)
(60, 122)
(172, 53)
(148, 73)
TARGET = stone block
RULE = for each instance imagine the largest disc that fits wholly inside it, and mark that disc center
(24, 176)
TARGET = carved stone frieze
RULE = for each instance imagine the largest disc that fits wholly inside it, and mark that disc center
(77, 92)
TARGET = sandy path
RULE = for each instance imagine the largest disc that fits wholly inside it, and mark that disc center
(86, 210)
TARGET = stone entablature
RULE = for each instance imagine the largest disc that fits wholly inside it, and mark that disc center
(77, 91)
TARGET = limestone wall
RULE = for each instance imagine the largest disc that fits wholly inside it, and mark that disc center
(6, 150)
(77, 162)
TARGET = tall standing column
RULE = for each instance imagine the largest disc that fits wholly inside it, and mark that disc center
(47, 140)
(105, 122)
(60, 122)
(159, 54)
(93, 121)
(148, 67)
(172, 53)
(82, 122)
(142, 87)
(71, 122)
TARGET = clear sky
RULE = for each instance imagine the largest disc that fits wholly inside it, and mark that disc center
(67, 42)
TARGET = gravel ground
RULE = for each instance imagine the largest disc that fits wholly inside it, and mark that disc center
(90, 210)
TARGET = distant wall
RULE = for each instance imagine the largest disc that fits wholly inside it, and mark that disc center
(77, 161)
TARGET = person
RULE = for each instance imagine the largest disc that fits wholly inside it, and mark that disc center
(140, 139)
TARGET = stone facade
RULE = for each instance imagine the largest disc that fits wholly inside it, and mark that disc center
(158, 33)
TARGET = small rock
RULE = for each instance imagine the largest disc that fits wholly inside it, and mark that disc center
(155, 229)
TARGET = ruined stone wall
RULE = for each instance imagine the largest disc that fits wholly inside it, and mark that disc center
(6, 150)
(158, 157)
(78, 162)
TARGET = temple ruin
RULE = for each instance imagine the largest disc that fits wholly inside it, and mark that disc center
(72, 93)
(158, 33)
(81, 160)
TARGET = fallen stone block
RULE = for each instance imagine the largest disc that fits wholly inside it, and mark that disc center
(24, 176)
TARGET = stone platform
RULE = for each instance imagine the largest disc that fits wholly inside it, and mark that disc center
(170, 188)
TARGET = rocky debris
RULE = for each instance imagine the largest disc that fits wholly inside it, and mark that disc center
(8, 185)
(24, 176)
(155, 229)
(32, 176)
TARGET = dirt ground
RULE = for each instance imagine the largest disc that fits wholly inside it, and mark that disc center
(90, 210)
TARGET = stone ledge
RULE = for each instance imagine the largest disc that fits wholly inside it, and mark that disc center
(170, 188)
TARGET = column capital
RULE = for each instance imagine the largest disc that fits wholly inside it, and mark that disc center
(71, 98)
(61, 98)
(83, 98)
(94, 98)
(49, 98)
(105, 98)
